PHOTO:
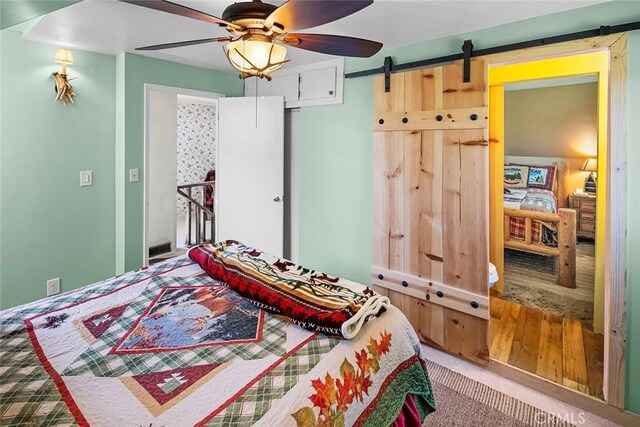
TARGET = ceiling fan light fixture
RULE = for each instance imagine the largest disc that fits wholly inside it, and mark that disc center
(262, 30)
(256, 58)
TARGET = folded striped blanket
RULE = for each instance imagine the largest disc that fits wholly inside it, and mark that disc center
(309, 298)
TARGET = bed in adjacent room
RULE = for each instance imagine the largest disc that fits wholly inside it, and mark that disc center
(535, 217)
(172, 346)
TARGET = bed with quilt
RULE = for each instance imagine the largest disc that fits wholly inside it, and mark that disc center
(535, 220)
(224, 336)
(532, 200)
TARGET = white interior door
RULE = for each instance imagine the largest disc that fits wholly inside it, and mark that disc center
(250, 172)
(162, 173)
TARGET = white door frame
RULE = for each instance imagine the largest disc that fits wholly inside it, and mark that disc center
(292, 164)
(148, 87)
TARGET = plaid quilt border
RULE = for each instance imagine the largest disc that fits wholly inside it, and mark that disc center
(22, 374)
(256, 379)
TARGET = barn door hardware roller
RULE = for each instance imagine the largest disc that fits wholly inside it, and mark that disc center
(388, 65)
(468, 52)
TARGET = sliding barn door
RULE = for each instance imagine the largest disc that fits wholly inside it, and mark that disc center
(430, 243)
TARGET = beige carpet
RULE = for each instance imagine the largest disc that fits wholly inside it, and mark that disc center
(463, 402)
(530, 280)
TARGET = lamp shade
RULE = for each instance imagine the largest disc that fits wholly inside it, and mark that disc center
(590, 165)
(63, 56)
(256, 57)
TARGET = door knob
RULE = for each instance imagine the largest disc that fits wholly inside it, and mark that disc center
(277, 199)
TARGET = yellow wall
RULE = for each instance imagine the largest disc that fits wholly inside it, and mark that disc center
(566, 66)
(575, 176)
(560, 121)
(496, 180)
(550, 124)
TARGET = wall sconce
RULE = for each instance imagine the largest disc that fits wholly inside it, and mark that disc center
(64, 90)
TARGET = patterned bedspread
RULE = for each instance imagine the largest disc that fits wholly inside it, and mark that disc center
(309, 298)
(537, 200)
(169, 346)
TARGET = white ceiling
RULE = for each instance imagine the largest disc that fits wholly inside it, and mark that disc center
(112, 27)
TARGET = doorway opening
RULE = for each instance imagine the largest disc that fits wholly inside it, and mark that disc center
(179, 174)
(548, 188)
(214, 172)
(196, 170)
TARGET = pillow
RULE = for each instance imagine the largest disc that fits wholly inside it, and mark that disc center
(515, 176)
(542, 177)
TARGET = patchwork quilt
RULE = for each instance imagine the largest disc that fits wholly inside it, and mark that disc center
(170, 346)
(537, 200)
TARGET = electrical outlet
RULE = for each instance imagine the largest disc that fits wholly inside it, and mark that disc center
(53, 286)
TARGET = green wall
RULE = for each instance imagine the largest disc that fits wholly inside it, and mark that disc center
(50, 226)
(336, 158)
(136, 71)
(336, 184)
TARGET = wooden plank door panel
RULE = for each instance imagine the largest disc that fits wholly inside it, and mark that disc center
(456, 93)
(431, 204)
(389, 198)
(465, 210)
(392, 101)
(423, 204)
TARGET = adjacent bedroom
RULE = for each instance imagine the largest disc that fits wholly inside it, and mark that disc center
(550, 196)
(319, 213)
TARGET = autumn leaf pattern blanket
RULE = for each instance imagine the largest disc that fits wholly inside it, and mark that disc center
(309, 298)
(170, 346)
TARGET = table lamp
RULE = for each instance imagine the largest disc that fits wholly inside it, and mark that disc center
(591, 166)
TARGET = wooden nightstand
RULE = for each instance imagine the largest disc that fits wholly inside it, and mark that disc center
(585, 207)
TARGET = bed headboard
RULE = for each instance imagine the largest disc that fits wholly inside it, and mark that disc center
(562, 187)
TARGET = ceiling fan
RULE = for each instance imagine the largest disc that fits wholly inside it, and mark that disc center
(260, 31)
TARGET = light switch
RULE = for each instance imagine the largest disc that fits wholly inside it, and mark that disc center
(133, 175)
(86, 178)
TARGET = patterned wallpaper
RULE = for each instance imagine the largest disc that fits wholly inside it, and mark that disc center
(196, 145)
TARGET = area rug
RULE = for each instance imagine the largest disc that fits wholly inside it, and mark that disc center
(530, 280)
(463, 402)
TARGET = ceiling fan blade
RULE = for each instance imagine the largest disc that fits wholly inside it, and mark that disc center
(185, 43)
(177, 9)
(300, 14)
(334, 45)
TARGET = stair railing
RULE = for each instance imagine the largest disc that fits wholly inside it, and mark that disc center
(201, 211)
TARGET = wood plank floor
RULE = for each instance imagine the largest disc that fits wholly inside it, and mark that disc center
(557, 348)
